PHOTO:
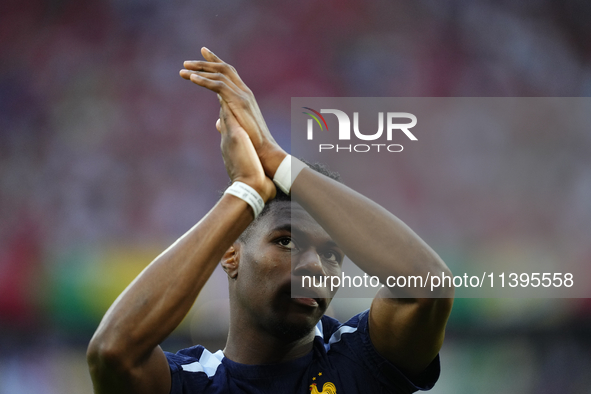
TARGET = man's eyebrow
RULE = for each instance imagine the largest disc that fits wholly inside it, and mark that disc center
(281, 227)
(289, 228)
(332, 244)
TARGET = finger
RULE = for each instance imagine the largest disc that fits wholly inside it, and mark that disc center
(230, 121)
(201, 65)
(210, 56)
(228, 116)
(221, 122)
(221, 85)
(216, 76)
(218, 86)
(212, 67)
(186, 74)
(220, 125)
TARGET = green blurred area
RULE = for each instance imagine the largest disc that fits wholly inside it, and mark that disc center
(107, 157)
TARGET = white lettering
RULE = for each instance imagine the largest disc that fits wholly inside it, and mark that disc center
(357, 150)
(310, 129)
(370, 137)
(344, 123)
(404, 127)
(390, 150)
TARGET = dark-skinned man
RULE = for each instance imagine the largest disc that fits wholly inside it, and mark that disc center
(276, 343)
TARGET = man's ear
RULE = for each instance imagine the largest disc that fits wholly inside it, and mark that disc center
(231, 259)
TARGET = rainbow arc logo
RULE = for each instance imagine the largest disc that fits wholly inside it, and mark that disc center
(315, 117)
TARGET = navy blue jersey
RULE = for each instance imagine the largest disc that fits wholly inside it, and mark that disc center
(343, 361)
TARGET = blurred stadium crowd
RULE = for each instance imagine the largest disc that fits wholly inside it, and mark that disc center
(107, 156)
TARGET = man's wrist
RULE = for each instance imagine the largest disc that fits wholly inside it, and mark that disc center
(248, 195)
(287, 172)
(272, 160)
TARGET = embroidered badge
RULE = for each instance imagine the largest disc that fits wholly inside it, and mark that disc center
(327, 387)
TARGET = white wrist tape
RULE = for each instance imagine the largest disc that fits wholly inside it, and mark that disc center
(287, 172)
(248, 194)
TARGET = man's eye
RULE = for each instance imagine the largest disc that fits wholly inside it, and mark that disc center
(332, 256)
(286, 243)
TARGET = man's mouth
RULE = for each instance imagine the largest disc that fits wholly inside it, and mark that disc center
(306, 296)
(311, 302)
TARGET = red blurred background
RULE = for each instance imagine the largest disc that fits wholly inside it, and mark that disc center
(107, 156)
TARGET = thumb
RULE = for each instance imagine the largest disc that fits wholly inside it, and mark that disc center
(227, 117)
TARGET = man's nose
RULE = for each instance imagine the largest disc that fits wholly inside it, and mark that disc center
(307, 263)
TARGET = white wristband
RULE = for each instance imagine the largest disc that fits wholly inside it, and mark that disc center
(287, 172)
(248, 194)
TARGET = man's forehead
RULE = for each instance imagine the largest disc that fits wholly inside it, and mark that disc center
(289, 214)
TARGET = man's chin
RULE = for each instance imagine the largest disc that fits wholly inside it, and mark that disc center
(296, 324)
(293, 331)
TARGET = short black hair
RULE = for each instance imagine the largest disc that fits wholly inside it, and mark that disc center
(280, 196)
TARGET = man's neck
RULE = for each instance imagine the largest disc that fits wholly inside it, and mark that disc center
(250, 345)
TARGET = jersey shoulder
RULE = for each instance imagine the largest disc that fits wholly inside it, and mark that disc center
(193, 368)
(347, 346)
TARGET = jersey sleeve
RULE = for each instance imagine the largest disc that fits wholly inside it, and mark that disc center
(390, 377)
(192, 369)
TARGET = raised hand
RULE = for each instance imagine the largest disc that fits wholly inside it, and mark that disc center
(240, 158)
(220, 77)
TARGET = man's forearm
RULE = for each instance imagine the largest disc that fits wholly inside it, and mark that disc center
(373, 238)
(155, 303)
(360, 226)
